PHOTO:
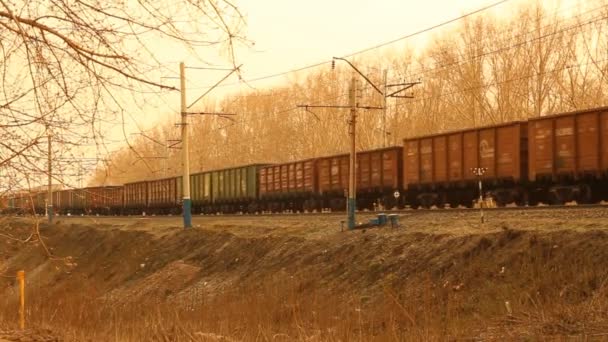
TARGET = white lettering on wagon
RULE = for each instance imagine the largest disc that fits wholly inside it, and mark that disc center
(485, 150)
(560, 132)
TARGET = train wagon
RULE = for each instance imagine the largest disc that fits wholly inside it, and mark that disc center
(200, 192)
(7, 204)
(288, 186)
(165, 195)
(62, 201)
(40, 202)
(569, 156)
(56, 203)
(136, 197)
(114, 199)
(26, 202)
(16, 202)
(79, 201)
(378, 174)
(3, 204)
(438, 169)
(235, 189)
(103, 200)
(95, 199)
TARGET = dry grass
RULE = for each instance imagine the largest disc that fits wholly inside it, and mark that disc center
(378, 285)
(277, 310)
(286, 309)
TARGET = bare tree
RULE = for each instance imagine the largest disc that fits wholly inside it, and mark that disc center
(78, 68)
(485, 71)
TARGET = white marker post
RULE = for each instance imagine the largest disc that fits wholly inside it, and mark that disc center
(479, 171)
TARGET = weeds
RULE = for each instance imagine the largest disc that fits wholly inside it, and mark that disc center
(433, 288)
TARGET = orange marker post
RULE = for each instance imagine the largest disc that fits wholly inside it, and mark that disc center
(21, 278)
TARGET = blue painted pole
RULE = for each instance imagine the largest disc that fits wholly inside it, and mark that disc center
(187, 213)
(352, 204)
(352, 185)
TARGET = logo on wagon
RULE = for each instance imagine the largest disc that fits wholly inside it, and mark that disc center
(485, 150)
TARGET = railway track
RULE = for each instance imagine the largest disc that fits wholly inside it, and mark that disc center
(436, 210)
(373, 213)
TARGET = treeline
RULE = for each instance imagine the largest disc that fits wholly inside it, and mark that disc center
(487, 70)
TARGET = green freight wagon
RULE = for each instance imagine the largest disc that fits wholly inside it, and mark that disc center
(62, 202)
(200, 192)
(235, 189)
(79, 201)
(40, 202)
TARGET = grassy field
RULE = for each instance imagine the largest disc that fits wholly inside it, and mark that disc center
(522, 275)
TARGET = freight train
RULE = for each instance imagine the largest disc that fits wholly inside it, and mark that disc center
(551, 159)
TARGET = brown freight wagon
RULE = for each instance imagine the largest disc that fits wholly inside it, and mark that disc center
(62, 201)
(114, 199)
(378, 174)
(94, 199)
(24, 202)
(438, 168)
(103, 200)
(289, 186)
(165, 195)
(136, 197)
(56, 202)
(569, 156)
(72, 201)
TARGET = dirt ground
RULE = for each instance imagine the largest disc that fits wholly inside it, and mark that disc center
(440, 275)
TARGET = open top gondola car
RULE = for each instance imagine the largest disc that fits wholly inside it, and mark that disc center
(200, 192)
(569, 156)
(438, 168)
(235, 189)
(289, 186)
(165, 195)
(136, 197)
(378, 175)
(104, 200)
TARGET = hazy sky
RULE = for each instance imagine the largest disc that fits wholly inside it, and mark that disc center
(290, 34)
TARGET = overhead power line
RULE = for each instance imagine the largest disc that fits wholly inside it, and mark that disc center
(421, 71)
(490, 84)
(410, 35)
(427, 29)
